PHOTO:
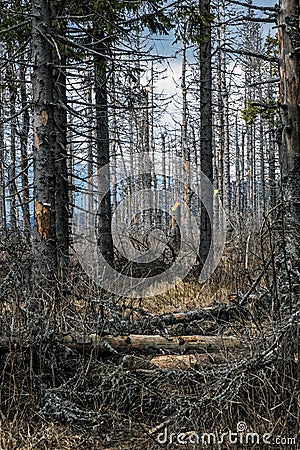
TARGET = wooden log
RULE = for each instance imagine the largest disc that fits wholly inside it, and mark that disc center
(150, 344)
(222, 313)
(183, 362)
(179, 362)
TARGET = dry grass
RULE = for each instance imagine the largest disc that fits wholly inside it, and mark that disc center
(44, 436)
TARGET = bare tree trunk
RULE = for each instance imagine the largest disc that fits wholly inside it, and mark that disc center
(254, 174)
(262, 202)
(2, 165)
(272, 169)
(45, 258)
(243, 194)
(90, 139)
(220, 123)
(223, 159)
(227, 179)
(164, 219)
(147, 177)
(62, 229)
(13, 216)
(70, 164)
(114, 146)
(152, 152)
(185, 150)
(104, 213)
(24, 152)
(249, 136)
(289, 65)
(238, 174)
(225, 109)
(206, 137)
(132, 183)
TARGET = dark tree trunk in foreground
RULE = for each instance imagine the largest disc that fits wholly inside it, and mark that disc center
(2, 165)
(205, 130)
(24, 153)
(45, 258)
(104, 213)
(289, 59)
(61, 156)
(13, 216)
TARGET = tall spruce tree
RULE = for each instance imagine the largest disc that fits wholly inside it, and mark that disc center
(206, 134)
(45, 251)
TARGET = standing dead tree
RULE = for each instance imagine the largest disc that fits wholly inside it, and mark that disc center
(289, 65)
(44, 144)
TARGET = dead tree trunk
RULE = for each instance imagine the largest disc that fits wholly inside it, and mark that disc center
(24, 152)
(2, 164)
(262, 202)
(62, 229)
(151, 344)
(206, 137)
(13, 213)
(289, 66)
(104, 213)
(220, 111)
(45, 258)
(272, 169)
(238, 172)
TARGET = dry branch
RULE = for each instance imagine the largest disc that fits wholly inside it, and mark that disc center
(255, 284)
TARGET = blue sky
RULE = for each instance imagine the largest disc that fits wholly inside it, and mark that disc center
(164, 45)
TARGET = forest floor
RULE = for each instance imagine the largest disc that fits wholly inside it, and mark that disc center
(53, 396)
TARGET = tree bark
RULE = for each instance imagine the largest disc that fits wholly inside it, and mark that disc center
(272, 170)
(238, 173)
(206, 137)
(62, 229)
(104, 213)
(90, 140)
(262, 202)
(13, 213)
(2, 165)
(220, 109)
(289, 66)
(24, 152)
(150, 344)
(45, 256)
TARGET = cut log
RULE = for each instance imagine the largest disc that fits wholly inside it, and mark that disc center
(150, 344)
